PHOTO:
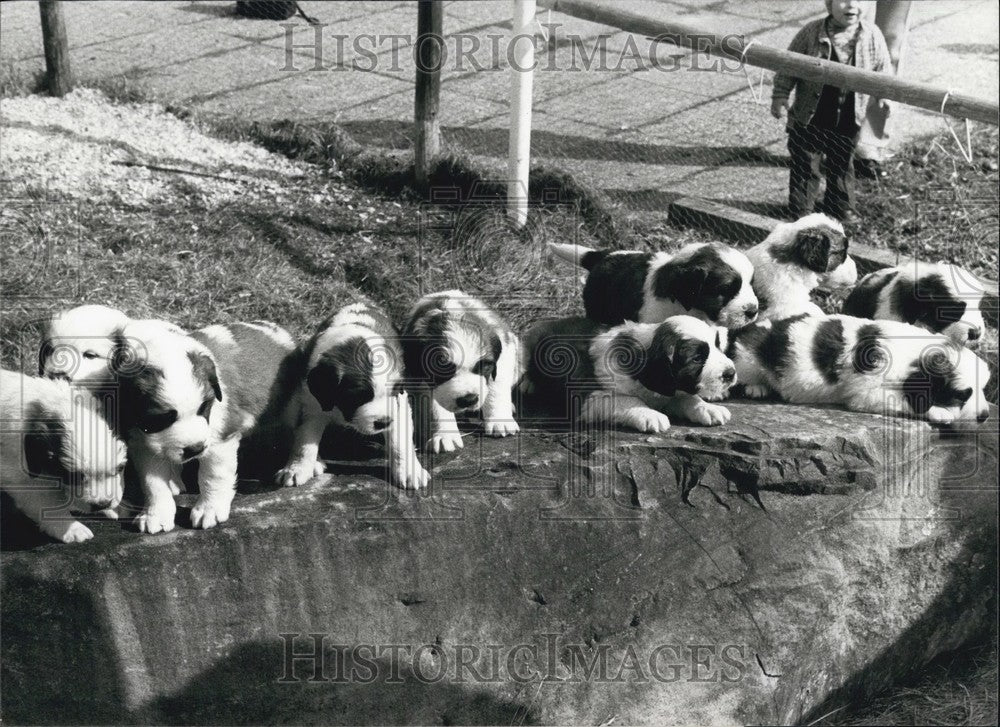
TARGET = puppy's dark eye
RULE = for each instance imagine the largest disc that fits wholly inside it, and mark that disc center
(206, 408)
(718, 339)
(157, 422)
(484, 367)
(120, 468)
(90, 354)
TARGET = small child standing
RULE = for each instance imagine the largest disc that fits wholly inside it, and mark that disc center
(824, 121)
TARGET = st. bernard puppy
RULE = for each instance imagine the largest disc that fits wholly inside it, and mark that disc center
(939, 297)
(354, 372)
(57, 454)
(460, 357)
(707, 280)
(185, 397)
(636, 373)
(881, 367)
(77, 343)
(795, 259)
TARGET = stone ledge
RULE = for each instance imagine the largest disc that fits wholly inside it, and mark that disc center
(627, 543)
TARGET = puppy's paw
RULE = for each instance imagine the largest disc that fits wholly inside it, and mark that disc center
(445, 442)
(940, 415)
(156, 518)
(207, 513)
(75, 532)
(411, 476)
(756, 391)
(650, 421)
(501, 427)
(709, 415)
(109, 512)
(299, 473)
(174, 489)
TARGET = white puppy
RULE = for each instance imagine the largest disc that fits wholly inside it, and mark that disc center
(57, 454)
(939, 297)
(461, 358)
(196, 396)
(707, 280)
(354, 371)
(634, 373)
(882, 367)
(795, 259)
(77, 343)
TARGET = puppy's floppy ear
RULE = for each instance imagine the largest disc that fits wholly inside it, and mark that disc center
(323, 381)
(681, 282)
(204, 368)
(657, 371)
(42, 443)
(690, 355)
(44, 351)
(812, 249)
(495, 348)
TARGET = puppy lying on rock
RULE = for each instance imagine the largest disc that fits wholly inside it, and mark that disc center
(940, 298)
(709, 281)
(881, 367)
(635, 375)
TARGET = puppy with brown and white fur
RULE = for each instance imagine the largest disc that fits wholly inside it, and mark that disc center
(639, 374)
(940, 298)
(461, 358)
(709, 281)
(57, 454)
(881, 367)
(77, 343)
(354, 372)
(797, 258)
(185, 397)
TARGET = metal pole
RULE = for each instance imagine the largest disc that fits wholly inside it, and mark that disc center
(522, 76)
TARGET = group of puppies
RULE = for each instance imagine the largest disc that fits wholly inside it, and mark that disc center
(180, 397)
(665, 335)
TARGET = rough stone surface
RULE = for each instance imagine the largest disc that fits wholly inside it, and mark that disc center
(767, 569)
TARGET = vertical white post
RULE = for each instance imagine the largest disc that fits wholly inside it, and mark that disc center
(522, 74)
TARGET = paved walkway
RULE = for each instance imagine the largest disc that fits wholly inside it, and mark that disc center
(642, 133)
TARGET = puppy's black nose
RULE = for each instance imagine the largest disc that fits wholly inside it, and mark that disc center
(983, 416)
(729, 374)
(193, 451)
(467, 401)
(974, 334)
(751, 310)
(379, 424)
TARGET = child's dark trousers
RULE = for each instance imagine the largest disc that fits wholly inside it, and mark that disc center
(831, 135)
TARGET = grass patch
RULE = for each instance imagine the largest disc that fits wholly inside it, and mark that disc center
(933, 205)
(959, 688)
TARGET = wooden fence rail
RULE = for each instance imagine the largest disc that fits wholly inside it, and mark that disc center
(880, 85)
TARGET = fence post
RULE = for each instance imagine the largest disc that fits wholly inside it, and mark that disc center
(58, 73)
(522, 76)
(427, 131)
